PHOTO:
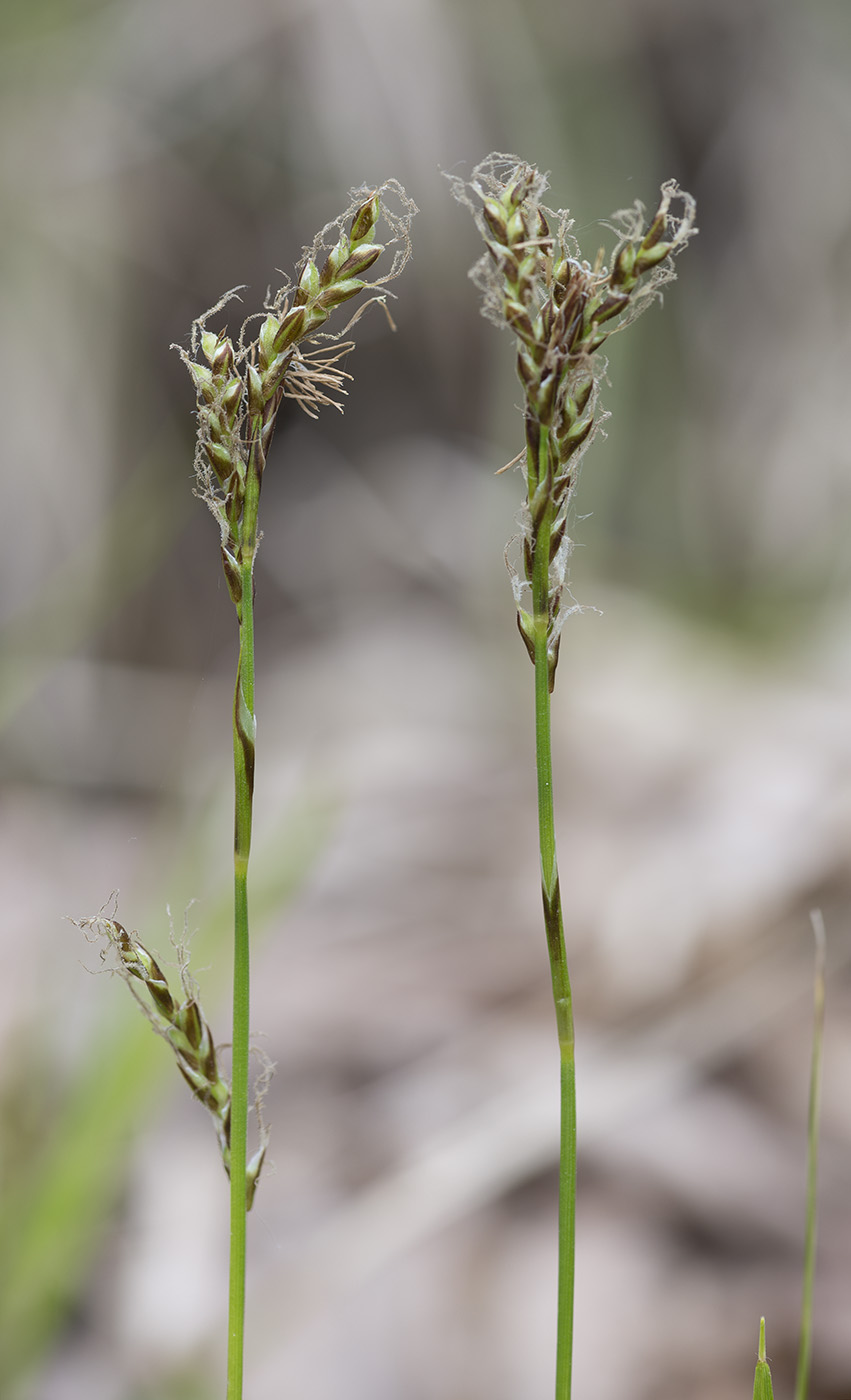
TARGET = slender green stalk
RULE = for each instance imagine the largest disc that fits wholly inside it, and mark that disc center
(553, 922)
(805, 1344)
(564, 1023)
(243, 763)
(562, 311)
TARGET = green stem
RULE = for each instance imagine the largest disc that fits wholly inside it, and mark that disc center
(806, 1340)
(555, 941)
(243, 762)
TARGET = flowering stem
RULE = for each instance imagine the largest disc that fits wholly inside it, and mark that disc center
(562, 311)
(239, 390)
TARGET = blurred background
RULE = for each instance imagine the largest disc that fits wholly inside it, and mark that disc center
(154, 153)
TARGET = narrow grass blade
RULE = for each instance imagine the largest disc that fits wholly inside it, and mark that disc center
(805, 1344)
(762, 1387)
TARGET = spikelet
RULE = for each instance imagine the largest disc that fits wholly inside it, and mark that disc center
(240, 386)
(562, 311)
(182, 1023)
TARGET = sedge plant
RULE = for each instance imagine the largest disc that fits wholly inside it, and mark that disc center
(240, 387)
(562, 311)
